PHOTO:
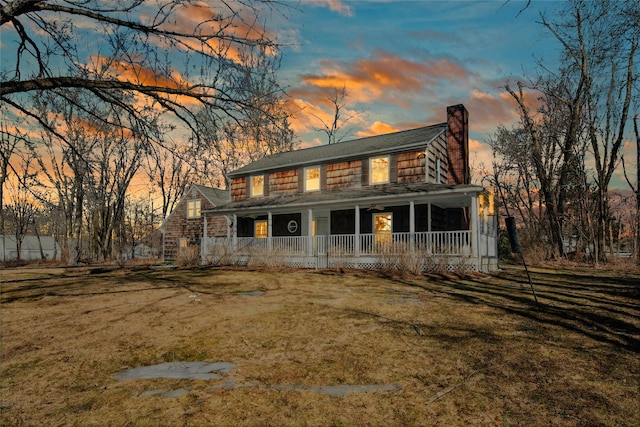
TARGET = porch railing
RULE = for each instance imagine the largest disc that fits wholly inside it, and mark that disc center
(453, 243)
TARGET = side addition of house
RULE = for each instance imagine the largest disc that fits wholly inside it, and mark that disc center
(186, 224)
(362, 202)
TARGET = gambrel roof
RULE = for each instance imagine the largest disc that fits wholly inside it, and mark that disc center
(379, 144)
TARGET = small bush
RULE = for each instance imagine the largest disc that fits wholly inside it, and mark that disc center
(222, 254)
(189, 257)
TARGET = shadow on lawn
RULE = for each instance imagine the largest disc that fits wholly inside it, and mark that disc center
(604, 309)
(88, 284)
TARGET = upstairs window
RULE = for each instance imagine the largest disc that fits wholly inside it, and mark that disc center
(193, 208)
(379, 170)
(260, 230)
(257, 186)
(312, 179)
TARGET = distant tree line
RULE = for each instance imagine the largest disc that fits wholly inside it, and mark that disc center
(555, 169)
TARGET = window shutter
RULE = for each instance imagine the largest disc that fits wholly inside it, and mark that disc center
(393, 168)
(323, 177)
(301, 179)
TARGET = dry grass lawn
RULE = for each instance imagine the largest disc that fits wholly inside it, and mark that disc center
(445, 351)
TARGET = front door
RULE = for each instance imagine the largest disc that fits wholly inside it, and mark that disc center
(382, 228)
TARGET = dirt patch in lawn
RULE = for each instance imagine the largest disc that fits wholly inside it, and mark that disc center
(318, 348)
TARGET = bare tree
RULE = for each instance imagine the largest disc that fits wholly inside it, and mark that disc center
(600, 46)
(142, 43)
(222, 145)
(335, 100)
(583, 114)
(8, 145)
(170, 172)
(23, 208)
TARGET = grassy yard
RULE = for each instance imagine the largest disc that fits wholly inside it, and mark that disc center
(320, 348)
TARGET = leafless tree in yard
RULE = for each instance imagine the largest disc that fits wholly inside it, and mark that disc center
(148, 67)
(583, 114)
(222, 145)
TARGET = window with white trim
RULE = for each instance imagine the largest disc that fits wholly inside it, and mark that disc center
(312, 178)
(193, 208)
(379, 170)
(257, 186)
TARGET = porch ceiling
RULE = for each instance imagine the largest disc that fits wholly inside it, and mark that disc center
(445, 196)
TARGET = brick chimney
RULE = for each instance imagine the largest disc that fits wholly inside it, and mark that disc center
(458, 145)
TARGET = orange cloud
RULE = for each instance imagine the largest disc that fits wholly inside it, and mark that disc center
(217, 28)
(379, 77)
(377, 128)
(309, 116)
(139, 74)
(489, 110)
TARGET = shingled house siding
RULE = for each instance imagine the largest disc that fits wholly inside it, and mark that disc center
(178, 226)
(283, 182)
(411, 167)
(239, 188)
(216, 226)
(344, 175)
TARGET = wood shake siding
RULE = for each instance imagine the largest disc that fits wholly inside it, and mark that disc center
(239, 188)
(283, 182)
(411, 167)
(343, 175)
(178, 226)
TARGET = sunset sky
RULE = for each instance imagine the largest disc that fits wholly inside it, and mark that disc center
(404, 62)
(401, 62)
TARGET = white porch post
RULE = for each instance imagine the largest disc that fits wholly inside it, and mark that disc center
(475, 227)
(310, 232)
(269, 230)
(356, 236)
(235, 232)
(412, 223)
(203, 243)
(429, 236)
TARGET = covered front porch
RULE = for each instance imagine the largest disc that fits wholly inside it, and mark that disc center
(431, 227)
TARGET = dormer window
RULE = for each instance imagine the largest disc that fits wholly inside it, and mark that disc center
(257, 186)
(312, 178)
(379, 170)
(193, 208)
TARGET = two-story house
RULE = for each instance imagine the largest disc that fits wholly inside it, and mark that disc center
(360, 203)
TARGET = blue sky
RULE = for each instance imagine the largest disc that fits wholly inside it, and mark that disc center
(403, 62)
